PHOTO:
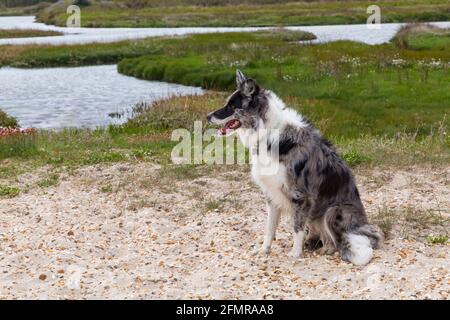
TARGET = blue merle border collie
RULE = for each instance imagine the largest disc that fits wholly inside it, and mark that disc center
(312, 184)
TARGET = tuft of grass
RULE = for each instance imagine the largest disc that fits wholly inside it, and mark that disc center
(213, 205)
(7, 121)
(181, 172)
(423, 219)
(106, 189)
(139, 204)
(49, 181)
(408, 221)
(385, 220)
(102, 157)
(437, 239)
(8, 192)
(354, 158)
(230, 200)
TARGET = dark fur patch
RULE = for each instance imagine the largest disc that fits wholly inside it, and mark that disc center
(305, 178)
(235, 101)
(313, 244)
(300, 202)
(326, 142)
(224, 113)
(285, 146)
(356, 192)
(299, 166)
(334, 179)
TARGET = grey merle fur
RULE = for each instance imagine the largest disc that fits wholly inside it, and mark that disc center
(320, 185)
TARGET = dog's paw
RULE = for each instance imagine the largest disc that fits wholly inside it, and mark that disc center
(263, 251)
(295, 254)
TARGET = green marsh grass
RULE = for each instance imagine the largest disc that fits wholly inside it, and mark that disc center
(26, 33)
(22, 7)
(226, 13)
(147, 137)
(355, 88)
(380, 105)
(422, 37)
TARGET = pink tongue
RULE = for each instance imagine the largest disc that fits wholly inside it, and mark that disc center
(223, 131)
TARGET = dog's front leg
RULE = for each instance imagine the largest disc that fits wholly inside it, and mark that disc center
(273, 218)
(299, 234)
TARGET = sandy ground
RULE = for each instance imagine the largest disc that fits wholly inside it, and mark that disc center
(124, 231)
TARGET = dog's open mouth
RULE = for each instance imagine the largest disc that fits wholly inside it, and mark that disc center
(229, 126)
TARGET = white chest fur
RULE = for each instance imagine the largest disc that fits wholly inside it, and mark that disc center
(270, 174)
(271, 178)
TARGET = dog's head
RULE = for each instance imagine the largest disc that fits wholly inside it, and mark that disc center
(243, 107)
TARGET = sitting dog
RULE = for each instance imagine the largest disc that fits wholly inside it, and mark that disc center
(310, 182)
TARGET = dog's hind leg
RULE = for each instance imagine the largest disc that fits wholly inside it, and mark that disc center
(273, 218)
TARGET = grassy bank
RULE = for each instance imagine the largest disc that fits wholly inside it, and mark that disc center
(26, 33)
(422, 37)
(355, 88)
(35, 56)
(8, 8)
(382, 105)
(147, 137)
(224, 13)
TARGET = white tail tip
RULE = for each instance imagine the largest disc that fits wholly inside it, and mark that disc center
(360, 248)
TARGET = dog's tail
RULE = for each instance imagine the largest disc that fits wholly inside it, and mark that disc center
(357, 246)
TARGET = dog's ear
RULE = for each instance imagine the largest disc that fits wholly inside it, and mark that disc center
(248, 88)
(240, 78)
(245, 85)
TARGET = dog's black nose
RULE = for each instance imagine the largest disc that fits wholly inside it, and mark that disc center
(209, 116)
